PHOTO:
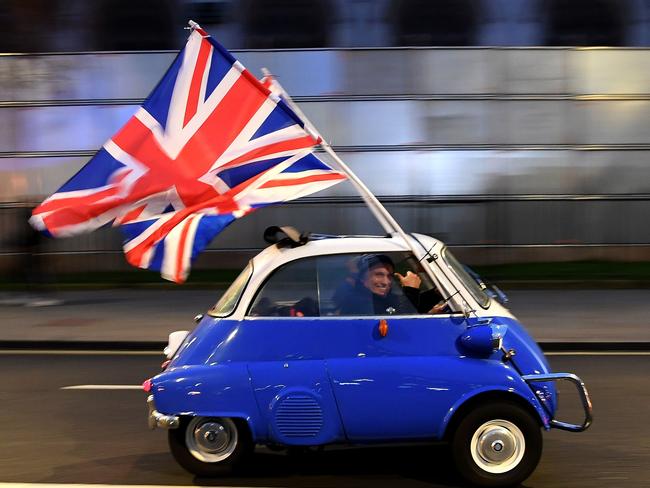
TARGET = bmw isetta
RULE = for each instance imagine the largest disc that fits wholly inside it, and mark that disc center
(285, 359)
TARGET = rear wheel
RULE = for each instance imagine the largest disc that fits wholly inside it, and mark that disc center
(210, 446)
(497, 445)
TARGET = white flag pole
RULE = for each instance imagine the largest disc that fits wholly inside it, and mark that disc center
(386, 220)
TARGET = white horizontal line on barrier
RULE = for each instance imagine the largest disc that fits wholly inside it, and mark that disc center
(55, 352)
(98, 485)
(102, 387)
(597, 353)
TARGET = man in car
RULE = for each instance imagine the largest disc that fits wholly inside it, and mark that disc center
(373, 292)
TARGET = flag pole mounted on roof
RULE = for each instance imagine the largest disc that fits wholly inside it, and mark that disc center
(386, 220)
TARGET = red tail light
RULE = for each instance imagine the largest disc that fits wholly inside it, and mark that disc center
(146, 386)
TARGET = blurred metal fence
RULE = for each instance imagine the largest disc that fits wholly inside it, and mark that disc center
(509, 154)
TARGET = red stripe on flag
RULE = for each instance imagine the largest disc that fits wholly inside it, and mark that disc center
(178, 278)
(197, 79)
(266, 82)
(135, 255)
(137, 140)
(132, 215)
(257, 83)
(63, 203)
(76, 214)
(73, 211)
(288, 145)
(301, 181)
(237, 107)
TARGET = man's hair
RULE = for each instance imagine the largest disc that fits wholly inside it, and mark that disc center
(369, 261)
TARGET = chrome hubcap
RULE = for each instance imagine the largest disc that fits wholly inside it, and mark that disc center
(498, 446)
(211, 437)
(211, 440)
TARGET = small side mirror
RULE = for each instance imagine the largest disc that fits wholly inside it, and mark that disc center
(479, 341)
(198, 318)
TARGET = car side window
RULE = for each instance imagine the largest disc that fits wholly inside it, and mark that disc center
(366, 285)
(337, 276)
(290, 291)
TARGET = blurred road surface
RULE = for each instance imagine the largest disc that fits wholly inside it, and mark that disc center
(54, 435)
(150, 315)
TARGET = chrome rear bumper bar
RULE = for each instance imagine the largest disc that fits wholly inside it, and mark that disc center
(582, 392)
(157, 419)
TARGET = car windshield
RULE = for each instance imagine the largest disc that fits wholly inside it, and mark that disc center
(470, 283)
(228, 301)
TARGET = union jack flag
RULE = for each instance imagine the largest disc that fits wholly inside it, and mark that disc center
(210, 144)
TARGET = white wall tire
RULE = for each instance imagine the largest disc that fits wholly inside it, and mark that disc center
(210, 446)
(497, 445)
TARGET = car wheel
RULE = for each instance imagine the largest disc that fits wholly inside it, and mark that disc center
(497, 445)
(210, 446)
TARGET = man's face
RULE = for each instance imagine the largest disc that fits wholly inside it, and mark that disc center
(379, 279)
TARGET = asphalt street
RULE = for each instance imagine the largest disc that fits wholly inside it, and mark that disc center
(143, 315)
(55, 435)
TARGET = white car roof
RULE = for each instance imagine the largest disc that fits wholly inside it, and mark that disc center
(277, 254)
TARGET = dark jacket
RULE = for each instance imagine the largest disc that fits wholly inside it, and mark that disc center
(361, 301)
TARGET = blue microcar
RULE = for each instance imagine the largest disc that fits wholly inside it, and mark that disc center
(316, 333)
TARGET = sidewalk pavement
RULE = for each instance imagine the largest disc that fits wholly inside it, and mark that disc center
(149, 315)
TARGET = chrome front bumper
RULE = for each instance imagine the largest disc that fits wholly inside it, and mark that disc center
(582, 392)
(157, 419)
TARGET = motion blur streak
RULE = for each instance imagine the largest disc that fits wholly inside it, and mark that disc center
(102, 387)
(82, 485)
(492, 148)
(477, 148)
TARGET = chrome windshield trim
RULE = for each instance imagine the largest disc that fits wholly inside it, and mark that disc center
(467, 281)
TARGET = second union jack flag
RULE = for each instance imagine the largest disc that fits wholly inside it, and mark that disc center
(210, 144)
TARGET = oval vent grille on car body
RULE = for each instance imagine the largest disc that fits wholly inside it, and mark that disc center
(299, 416)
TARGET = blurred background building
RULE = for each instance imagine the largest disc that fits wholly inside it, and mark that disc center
(79, 25)
(515, 130)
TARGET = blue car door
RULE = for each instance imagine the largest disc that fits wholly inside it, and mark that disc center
(397, 386)
(394, 372)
